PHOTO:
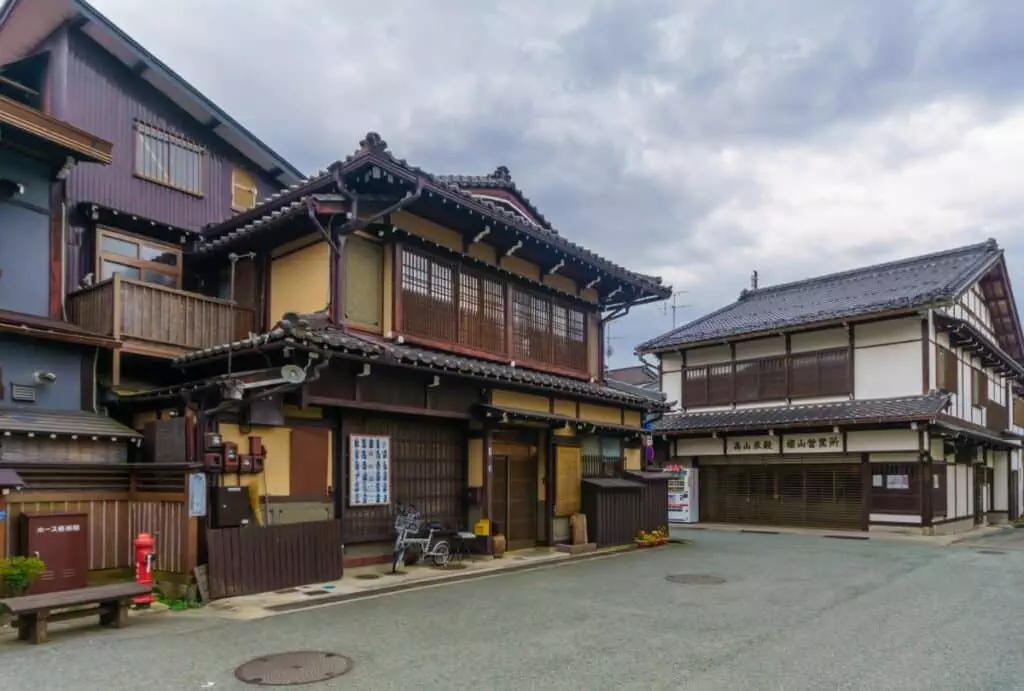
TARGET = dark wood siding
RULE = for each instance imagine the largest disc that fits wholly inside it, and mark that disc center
(105, 98)
(428, 470)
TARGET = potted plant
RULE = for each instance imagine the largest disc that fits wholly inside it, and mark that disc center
(653, 538)
(17, 574)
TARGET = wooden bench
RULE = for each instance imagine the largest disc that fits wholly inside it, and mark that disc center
(34, 612)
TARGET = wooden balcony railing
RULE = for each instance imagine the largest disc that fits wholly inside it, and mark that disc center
(158, 319)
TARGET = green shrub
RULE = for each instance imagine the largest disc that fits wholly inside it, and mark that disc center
(18, 573)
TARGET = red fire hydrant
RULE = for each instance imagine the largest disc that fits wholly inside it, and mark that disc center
(144, 557)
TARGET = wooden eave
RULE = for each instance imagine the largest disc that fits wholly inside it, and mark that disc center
(81, 144)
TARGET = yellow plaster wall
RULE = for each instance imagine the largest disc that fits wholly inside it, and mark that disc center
(300, 281)
(589, 294)
(632, 418)
(564, 407)
(520, 401)
(277, 464)
(521, 267)
(632, 459)
(429, 230)
(483, 252)
(310, 413)
(566, 285)
(475, 474)
(600, 413)
(388, 322)
(569, 477)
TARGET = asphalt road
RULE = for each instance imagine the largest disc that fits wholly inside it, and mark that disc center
(795, 612)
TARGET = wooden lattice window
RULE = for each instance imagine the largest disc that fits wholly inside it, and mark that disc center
(1018, 411)
(448, 303)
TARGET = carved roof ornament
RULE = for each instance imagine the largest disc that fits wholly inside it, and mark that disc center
(373, 142)
(501, 173)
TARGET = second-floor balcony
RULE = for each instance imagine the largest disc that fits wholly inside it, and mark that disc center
(150, 319)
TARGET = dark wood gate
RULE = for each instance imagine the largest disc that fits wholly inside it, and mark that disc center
(514, 497)
(255, 559)
(821, 495)
(979, 494)
(428, 470)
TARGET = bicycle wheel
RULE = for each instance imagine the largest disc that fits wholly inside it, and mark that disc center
(441, 553)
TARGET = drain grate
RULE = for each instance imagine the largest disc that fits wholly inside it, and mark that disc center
(290, 669)
(990, 551)
(453, 566)
(368, 576)
(694, 579)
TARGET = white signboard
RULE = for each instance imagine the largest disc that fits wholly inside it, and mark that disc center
(737, 446)
(369, 463)
(812, 443)
(897, 482)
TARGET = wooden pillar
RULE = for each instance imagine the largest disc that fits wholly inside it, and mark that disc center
(3, 526)
(549, 490)
(489, 483)
(340, 462)
(927, 510)
(337, 309)
(115, 376)
(865, 470)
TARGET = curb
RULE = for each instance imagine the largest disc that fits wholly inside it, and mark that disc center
(938, 540)
(299, 605)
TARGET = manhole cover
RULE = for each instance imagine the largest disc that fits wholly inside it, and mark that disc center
(695, 579)
(990, 551)
(368, 576)
(289, 669)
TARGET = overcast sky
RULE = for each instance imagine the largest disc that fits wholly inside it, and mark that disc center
(696, 140)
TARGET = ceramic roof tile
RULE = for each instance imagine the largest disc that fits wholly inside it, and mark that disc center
(902, 284)
(922, 407)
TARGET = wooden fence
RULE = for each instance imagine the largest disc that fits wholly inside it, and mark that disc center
(254, 559)
(121, 502)
(619, 508)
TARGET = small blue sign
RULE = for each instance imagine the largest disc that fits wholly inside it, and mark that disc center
(3, 515)
(197, 495)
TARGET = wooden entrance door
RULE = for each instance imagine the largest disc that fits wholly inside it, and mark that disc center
(514, 497)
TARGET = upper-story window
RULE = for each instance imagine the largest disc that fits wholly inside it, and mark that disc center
(802, 375)
(947, 370)
(168, 159)
(243, 190)
(138, 259)
(447, 303)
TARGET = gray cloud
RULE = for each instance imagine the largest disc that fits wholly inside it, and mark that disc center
(698, 140)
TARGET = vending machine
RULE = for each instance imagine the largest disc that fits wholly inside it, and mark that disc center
(682, 493)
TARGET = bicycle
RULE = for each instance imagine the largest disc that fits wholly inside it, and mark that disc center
(409, 530)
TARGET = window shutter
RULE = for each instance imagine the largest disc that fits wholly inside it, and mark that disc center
(364, 283)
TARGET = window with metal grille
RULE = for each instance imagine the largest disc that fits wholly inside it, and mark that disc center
(602, 456)
(168, 159)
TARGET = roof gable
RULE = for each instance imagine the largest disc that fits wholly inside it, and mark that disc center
(899, 285)
(998, 293)
(375, 161)
(24, 24)
(498, 188)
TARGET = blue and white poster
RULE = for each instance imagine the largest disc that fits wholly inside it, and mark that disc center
(196, 495)
(369, 470)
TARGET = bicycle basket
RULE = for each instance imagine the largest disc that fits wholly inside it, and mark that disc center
(411, 521)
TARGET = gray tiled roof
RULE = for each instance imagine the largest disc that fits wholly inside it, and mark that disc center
(909, 408)
(500, 179)
(64, 423)
(373, 150)
(903, 284)
(306, 327)
(314, 329)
